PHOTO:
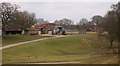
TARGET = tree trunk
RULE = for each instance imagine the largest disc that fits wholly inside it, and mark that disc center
(3, 32)
(111, 43)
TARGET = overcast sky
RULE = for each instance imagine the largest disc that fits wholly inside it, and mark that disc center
(75, 10)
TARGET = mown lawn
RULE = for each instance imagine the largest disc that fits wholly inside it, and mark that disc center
(84, 48)
(11, 39)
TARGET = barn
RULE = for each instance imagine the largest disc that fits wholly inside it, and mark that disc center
(9, 31)
(44, 29)
(49, 28)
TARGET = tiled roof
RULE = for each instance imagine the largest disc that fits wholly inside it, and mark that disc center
(42, 26)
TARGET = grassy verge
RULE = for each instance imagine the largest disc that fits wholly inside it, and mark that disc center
(11, 39)
(85, 48)
(83, 59)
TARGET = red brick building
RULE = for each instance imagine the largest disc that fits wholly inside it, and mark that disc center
(43, 28)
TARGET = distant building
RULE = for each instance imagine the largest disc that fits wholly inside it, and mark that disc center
(12, 31)
(49, 28)
(94, 29)
(45, 28)
(32, 30)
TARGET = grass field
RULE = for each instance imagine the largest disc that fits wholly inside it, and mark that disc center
(84, 48)
(0, 40)
(11, 39)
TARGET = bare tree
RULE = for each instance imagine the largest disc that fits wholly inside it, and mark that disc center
(65, 23)
(82, 25)
(97, 20)
(12, 18)
(41, 21)
(7, 10)
(112, 23)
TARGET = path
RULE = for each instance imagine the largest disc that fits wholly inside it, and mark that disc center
(21, 43)
(72, 62)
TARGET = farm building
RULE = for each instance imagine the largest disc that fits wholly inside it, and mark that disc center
(12, 31)
(43, 29)
(49, 28)
(94, 29)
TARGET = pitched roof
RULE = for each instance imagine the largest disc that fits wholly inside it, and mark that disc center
(42, 26)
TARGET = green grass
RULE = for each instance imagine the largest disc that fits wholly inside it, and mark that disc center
(11, 39)
(0, 40)
(85, 48)
(72, 33)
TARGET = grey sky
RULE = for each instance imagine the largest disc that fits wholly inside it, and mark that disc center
(59, 0)
(73, 10)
